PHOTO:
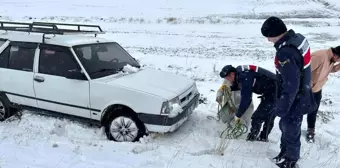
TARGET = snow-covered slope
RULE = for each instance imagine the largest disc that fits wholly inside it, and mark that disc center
(155, 11)
(192, 38)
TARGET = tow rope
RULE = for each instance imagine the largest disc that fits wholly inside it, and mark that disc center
(232, 131)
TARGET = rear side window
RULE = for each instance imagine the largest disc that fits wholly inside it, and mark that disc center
(3, 56)
(2, 42)
(18, 56)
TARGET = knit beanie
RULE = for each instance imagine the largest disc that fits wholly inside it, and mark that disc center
(336, 51)
(273, 27)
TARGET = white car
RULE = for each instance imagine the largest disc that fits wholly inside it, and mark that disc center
(46, 68)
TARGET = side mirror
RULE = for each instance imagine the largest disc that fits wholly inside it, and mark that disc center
(75, 74)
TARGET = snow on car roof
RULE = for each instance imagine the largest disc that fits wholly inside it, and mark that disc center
(63, 40)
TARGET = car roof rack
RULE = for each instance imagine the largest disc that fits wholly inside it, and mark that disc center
(49, 28)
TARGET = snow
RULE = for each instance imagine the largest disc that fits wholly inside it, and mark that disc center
(130, 69)
(191, 38)
(176, 109)
(331, 3)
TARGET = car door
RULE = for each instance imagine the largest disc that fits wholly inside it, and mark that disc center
(53, 90)
(16, 71)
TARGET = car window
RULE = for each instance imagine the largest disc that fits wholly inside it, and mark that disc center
(2, 42)
(18, 56)
(21, 58)
(102, 59)
(4, 56)
(56, 62)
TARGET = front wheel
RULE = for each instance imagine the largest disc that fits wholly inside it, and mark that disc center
(4, 109)
(124, 127)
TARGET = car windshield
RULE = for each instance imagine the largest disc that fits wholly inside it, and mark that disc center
(103, 59)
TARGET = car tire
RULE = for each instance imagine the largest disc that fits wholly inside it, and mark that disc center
(4, 109)
(122, 126)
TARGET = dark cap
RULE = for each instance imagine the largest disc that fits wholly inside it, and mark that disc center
(336, 50)
(226, 70)
(273, 27)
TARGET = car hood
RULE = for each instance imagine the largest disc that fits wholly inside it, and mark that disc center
(160, 83)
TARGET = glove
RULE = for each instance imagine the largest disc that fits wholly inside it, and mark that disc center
(237, 120)
(223, 87)
(220, 94)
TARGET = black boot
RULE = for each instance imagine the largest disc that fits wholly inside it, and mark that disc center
(251, 136)
(263, 137)
(310, 136)
(279, 157)
(285, 163)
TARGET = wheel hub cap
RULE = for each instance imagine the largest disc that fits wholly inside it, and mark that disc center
(2, 110)
(123, 129)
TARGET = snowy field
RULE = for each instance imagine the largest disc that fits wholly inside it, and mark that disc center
(193, 38)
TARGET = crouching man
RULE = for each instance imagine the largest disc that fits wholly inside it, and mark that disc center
(250, 79)
(229, 102)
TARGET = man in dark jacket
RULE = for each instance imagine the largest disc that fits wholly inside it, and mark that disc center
(294, 95)
(252, 79)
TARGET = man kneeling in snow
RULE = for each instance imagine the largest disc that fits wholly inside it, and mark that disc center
(252, 79)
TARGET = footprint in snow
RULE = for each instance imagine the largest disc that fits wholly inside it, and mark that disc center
(59, 128)
(144, 148)
(203, 152)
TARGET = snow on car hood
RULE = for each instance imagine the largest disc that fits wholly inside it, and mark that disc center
(164, 84)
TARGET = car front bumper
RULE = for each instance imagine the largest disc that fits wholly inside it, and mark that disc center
(163, 123)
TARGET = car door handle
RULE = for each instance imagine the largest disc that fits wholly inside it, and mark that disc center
(39, 78)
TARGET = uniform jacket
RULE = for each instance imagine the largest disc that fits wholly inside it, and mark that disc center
(292, 62)
(253, 79)
(322, 66)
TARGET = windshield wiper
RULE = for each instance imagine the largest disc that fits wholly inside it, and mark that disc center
(104, 70)
(120, 69)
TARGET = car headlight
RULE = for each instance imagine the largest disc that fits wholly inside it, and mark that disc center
(169, 106)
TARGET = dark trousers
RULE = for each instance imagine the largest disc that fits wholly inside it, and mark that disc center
(290, 137)
(263, 113)
(311, 117)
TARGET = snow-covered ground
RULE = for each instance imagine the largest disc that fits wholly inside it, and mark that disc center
(194, 38)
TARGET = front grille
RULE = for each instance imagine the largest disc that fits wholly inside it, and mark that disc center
(186, 98)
